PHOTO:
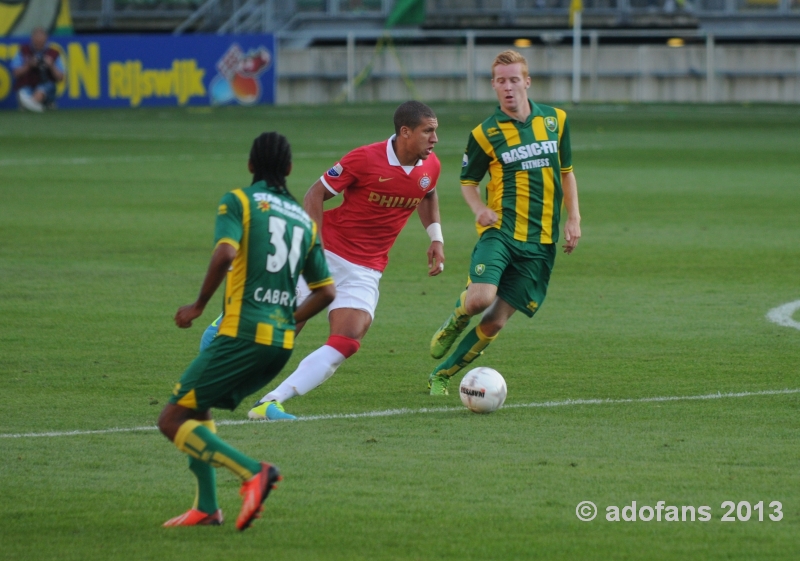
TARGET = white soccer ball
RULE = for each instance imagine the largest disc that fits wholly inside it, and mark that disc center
(483, 390)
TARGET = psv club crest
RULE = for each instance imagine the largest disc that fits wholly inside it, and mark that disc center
(424, 182)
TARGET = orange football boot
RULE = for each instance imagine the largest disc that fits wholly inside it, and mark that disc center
(194, 517)
(254, 492)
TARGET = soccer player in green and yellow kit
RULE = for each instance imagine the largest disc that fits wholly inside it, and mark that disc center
(525, 148)
(264, 241)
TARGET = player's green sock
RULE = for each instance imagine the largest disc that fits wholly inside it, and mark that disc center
(470, 348)
(206, 498)
(199, 442)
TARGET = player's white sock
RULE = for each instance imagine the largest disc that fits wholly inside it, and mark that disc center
(310, 373)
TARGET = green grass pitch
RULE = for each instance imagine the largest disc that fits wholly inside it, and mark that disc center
(691, 234)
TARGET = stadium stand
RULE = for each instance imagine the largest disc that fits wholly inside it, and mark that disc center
(226, 16)
(370, 50)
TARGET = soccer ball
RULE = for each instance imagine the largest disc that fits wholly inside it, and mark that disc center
(483, 390)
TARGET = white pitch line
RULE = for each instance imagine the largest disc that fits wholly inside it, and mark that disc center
(425, 410)
(782, 315)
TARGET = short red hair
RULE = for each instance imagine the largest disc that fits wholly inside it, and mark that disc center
(511, 57)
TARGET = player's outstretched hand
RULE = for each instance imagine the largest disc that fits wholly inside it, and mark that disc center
(572, 233)
(435, 259)
(187, 314)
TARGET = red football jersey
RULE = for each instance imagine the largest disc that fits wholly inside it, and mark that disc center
(379, 196)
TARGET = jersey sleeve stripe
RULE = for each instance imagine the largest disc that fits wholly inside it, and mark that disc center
(228, 241)
(566, 170)
(234, 285)
(327, 186)
(483, 142)
(319, 284)
(313, 236)
(466, 182)
(562, 118)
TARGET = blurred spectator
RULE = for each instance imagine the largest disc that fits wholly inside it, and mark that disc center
(37, 69)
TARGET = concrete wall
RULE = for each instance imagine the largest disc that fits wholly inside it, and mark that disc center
(645, 73)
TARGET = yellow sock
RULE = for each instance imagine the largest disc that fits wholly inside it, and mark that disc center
(461, 309)
(200, 442)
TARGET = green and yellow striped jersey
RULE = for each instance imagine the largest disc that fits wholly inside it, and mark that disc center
(525, 162)
(275, 242)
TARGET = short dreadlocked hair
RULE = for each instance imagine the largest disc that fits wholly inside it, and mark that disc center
(271, 157)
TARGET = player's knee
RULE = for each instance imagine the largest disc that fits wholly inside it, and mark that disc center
(173, 416)
(475, 304)
(492, 326)
(166, 423)
(347, 346)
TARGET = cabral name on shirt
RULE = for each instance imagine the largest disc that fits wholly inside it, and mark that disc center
(529, 151)
(279, 297)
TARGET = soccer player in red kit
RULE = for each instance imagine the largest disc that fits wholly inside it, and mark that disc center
(382, 184)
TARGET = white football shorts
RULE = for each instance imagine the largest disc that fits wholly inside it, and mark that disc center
(356, 286)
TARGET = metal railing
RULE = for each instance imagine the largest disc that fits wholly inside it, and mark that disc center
(212, 15)
(288, 15)
(583, 75)
(100, 15)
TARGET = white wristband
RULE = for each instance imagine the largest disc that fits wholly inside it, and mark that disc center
(435, 232)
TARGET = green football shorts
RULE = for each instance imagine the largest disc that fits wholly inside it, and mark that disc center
(519, 270)
(226, 372)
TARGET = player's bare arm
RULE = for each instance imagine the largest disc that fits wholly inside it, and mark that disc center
(483, 214)
(572, 228)
(221, 261)
(428, 211)
(315, 303)
(312, 202)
